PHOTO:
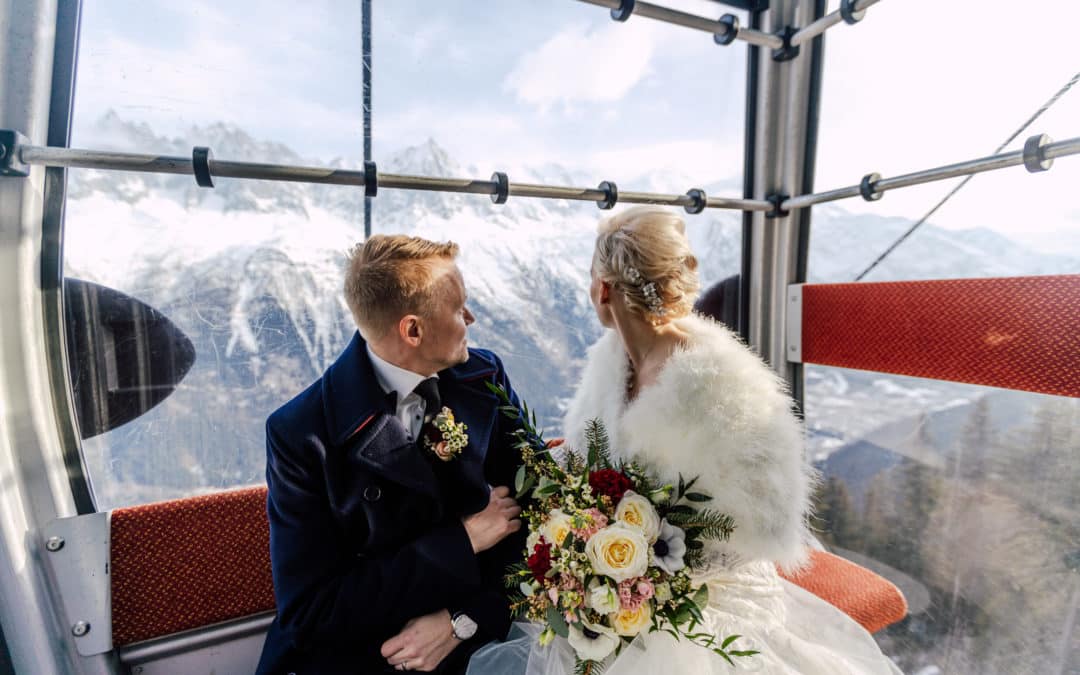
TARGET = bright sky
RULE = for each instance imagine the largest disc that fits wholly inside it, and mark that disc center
(512, 83)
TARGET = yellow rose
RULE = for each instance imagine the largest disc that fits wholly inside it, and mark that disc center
(630, 622)
(556, 527)
(618, 551)
(638, 511)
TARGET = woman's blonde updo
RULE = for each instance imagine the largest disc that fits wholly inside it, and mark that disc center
(644, 252)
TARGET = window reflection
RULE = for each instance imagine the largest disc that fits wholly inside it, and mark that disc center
(965, 497)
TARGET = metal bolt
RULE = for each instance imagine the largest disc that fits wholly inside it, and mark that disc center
(80, 629)
(54, 544)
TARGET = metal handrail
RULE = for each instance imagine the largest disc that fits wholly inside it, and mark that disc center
(218, 168)
(1037, 155)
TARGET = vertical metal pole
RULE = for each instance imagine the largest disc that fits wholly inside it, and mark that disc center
(34, 487)
(366, 40)
(779, 143)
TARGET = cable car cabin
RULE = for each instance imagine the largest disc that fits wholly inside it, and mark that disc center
(881, 196)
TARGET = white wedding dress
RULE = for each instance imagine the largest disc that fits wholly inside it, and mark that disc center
(795, 631)
(718, 413)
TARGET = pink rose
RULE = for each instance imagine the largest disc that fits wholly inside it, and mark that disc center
(553, 593)
(645, 588)
(442, 451)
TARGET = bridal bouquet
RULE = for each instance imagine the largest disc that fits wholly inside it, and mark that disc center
(610, 549)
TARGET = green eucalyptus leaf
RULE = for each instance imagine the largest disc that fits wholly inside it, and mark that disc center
(701, 597)
(557, 622)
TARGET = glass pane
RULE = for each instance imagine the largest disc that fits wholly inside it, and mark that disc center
(920, 84)
(251, 272)
(243, 270)
(965, 497)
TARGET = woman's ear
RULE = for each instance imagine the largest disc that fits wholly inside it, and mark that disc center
(605, 293)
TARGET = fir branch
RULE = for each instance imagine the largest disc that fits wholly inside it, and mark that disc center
(515, 574)
(587, 667)
(711, 524)
(599, 445)
(522, 415)
(694, 559)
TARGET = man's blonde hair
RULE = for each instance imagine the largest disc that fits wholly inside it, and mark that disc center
(390, 276)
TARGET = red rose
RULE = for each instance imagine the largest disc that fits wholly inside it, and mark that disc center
(609, 482)
(540, 561)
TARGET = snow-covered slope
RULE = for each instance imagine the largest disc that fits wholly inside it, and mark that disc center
(252, 272)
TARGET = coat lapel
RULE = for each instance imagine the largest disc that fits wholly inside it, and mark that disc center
(361, 420)
(464, 391)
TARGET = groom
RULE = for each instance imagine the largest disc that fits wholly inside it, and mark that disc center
(388, 550)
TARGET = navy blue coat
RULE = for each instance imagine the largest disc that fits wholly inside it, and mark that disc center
(365, 530)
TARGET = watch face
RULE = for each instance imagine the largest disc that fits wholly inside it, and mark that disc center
(464, 627)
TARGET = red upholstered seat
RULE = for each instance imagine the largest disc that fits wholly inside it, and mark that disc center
(874, 602)
(190, 562)
(194, 562)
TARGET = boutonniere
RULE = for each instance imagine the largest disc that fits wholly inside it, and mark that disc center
(446, 438)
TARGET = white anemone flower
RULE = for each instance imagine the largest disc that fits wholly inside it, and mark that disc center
(592, 642)
(669, 549)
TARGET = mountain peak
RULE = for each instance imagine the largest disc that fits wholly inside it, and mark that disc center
(426, 159)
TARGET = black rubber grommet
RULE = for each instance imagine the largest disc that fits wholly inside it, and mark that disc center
(371, 179)
(788, 51)
(848, 13)
(731, 23)
(502, 187)
(200, 164)
(867, 187)
(623, 12)
(699, 198)
(1035, 159)
(612, 192)
(776, 200)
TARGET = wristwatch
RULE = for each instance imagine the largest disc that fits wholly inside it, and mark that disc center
(462, 626)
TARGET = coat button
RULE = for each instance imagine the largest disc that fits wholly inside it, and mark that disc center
(372, 493)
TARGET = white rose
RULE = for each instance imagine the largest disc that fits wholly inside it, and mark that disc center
(592, 642)
(602, 597)
(556, 527)
(630, 622)
(638, 511)
(618, 551)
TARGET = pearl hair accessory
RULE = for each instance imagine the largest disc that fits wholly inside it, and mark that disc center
(648, 289)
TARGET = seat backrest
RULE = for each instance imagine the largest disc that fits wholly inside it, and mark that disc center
(199, 561)
(189, 563)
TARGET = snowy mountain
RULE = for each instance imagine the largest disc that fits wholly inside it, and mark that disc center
(251, 271)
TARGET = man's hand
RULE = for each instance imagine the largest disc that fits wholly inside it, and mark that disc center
(422, 644)
(497, 521)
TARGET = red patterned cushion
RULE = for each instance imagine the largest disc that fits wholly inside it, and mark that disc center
(871, 600)
(194, 562)
(1017, 332)
(190, 562)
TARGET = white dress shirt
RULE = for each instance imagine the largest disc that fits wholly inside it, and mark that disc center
(410, 407)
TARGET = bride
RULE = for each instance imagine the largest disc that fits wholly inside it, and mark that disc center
(681, 394)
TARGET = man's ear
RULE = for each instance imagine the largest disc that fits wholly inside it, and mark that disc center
(410, 330)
